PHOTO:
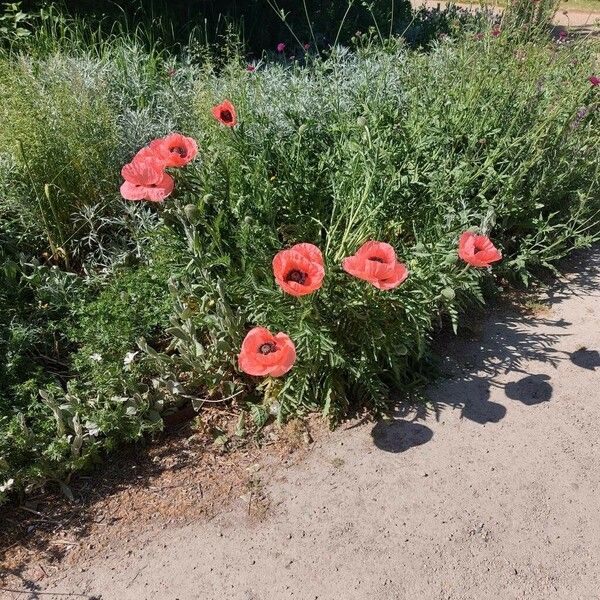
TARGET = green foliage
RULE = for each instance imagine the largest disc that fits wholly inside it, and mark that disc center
(115, 313)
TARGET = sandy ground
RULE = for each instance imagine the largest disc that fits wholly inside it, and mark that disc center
(495, 493)
(564, 18)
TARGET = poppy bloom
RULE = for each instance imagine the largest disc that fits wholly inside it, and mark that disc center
(496, 31)
(225, 114)
(281, 47)
(250, 68)
(306, 47)
(263, 353)
(174, 150)
(594, 80)
(477, 250)
(145, 179)
(376, 263)
(299, 270)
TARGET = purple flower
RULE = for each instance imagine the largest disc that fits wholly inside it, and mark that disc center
(281, 47)
(306, 47)
(594, 80)
(496, 31)
(582, 113)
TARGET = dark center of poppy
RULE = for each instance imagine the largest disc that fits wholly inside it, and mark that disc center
(226, 116)
(178, 150)
(296, 276)
(267, 348)
(377, 259)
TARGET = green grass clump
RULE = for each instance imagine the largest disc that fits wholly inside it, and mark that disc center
(118, 312)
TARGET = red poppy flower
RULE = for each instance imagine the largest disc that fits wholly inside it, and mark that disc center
(263, 353)
(145, 179)
(299, 269)
(376, 263)
(175, 150)
(594, 80)
(477, 250)
(225, 114)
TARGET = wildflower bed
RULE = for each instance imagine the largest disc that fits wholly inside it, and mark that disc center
(286, 235)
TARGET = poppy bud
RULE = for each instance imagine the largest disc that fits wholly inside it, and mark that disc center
(192, 213)
(361, 122)
(448, 293)
(450, 259)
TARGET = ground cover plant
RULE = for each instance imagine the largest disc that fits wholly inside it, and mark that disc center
(291, 247)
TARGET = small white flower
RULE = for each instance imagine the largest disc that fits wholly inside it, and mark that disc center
(130, 357)
(96, 357)
(7, 485)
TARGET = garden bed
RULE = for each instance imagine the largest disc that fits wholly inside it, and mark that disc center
(415, 182)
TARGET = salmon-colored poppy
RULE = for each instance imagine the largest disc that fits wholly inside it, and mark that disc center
(299, 269)
(174, 150)
(145, 179)
(477, 250)
(376, 263)
(263, 353)
(225, 114)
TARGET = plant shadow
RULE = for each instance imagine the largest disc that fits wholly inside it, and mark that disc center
(505, 344)
(399, 435)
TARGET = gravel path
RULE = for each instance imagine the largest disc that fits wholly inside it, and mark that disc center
(498, 497)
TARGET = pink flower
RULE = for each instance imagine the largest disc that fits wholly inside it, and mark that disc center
(306, 47)
(594, 80)
(299, 270)
(477, 250)
(281, 47)
(145, 179)
(496, 31)
(263, 353)
(250, 68)
(562, 36)
(174, 150)
(376, 263)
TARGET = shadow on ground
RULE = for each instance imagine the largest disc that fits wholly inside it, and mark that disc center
(506, 343)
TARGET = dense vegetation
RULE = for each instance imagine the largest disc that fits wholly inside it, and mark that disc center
(116, 312)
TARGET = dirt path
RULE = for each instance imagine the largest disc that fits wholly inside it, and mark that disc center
(498, 497)
(565, 17)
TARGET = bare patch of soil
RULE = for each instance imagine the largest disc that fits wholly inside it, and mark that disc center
(182, 476)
